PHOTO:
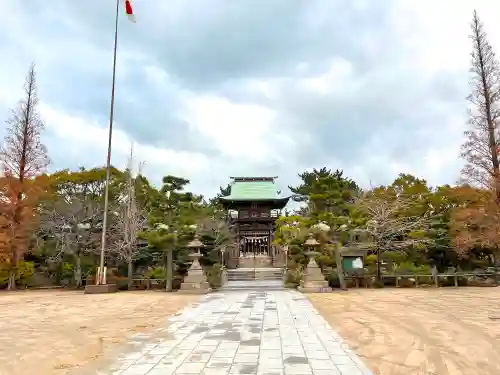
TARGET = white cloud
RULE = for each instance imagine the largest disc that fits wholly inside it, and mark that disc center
(75, 137)
(337, 79)
(428, 41)
(237, 130)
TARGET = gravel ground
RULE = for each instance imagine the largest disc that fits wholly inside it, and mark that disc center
(442, 331)
(54, 332)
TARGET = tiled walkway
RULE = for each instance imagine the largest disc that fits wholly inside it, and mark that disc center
(264, 333)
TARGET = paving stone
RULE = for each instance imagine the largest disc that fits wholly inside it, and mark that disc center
(190, 368)
(246, 358)
(342, 360)
(293, 350)
(245, 332)
(320, 364)
(330, 371)
(270, 354)
(271, 363)
(248, 350)
(220, 362)
(298, 369)
(165, 370)
(270, 371)
(317, 354)
(349, 370)
(217, 371)
(138, 369)
(243, 368)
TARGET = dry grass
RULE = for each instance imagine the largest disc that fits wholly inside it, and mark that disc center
(53, 332)
(419, 331)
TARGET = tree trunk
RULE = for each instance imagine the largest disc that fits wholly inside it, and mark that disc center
(496, 261)
(130, 271)
(169, 269)
(77, 273)
(12, 279)
(379, 260)
(58, 273)
(340, 268)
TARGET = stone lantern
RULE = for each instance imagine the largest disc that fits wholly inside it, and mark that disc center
(195, 282)
(313, 280)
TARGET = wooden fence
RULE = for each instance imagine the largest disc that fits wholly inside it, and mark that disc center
(426, 279)
(136, 283)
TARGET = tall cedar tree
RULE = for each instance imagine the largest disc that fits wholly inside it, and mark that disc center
(480, 150)
(23, 157)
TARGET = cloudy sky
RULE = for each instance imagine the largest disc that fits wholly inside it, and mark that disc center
(208, 89)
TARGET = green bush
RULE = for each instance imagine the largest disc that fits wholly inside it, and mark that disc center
(156, 273)
(378, 284)
(333, 280)
(370, 260)
(65, 273)
(397, 257)
(324, 261)
(24, 271)
(214, 276)
(410, 268)
(121, 283)
(293, 277)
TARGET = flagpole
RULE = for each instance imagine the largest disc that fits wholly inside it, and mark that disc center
(101, 276)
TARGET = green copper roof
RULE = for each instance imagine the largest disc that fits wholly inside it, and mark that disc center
(253, 190)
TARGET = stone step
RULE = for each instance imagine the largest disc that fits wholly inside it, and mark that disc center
(252, 277)
(265, 273)
(253, 285)
(257, 274)
(262, 274)
(258, 269)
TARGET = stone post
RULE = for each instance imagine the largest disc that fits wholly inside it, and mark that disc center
(285, 263)
(195, 282)
(313, 280)
(223, 276)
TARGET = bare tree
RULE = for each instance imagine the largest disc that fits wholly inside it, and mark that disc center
(390, 223)
(23, 156)
(480, 149)
(129, 221)
(74, 221)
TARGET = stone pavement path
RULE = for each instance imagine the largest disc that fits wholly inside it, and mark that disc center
(245, 332)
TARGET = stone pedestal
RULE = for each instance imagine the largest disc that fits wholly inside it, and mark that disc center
(223, 277)
(313, 280)
(99, 289)
(195, 282)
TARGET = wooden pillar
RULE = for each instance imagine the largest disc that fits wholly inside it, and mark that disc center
(269, 239)
(236, 256)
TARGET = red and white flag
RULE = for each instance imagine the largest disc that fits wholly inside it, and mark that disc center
(129, 11)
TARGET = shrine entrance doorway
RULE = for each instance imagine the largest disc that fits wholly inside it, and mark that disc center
(255, 250)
